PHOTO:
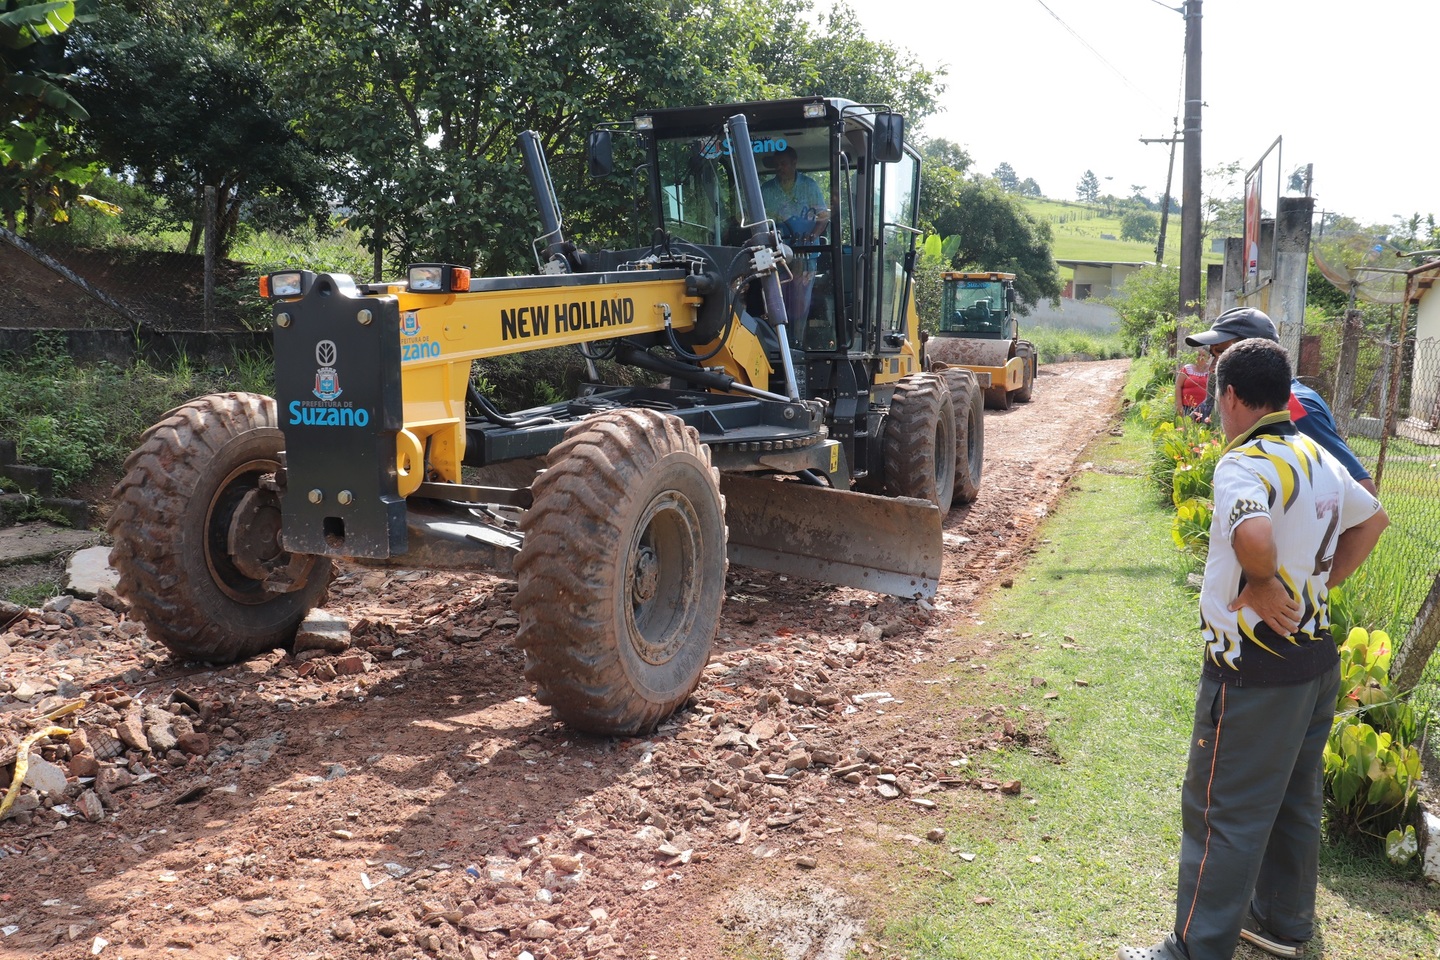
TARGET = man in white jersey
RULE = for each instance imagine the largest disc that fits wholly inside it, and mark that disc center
(1289, 524)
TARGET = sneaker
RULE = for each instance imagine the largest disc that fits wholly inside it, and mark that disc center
(1253, 933)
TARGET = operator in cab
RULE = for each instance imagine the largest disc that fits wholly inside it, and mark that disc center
(797, 205)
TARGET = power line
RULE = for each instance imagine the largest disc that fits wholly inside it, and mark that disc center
(1098, 55)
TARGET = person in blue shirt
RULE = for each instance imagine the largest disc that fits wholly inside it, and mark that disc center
(797, 205)
(1308, 409)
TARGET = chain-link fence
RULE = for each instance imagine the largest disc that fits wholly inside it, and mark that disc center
(1385, 395)
(121, 270)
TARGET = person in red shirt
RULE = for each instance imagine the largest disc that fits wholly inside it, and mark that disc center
(1190, 383)
(1308, 409)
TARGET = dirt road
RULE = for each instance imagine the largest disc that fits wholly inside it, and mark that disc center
(408, 798)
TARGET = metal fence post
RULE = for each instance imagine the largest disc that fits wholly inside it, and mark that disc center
(209, 256)
(1421, 639)
(379, 251)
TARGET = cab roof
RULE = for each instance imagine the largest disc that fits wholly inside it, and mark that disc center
(986, 275)
(762, 115)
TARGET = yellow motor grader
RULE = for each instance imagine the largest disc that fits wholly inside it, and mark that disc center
(755, 448)
(978, 330)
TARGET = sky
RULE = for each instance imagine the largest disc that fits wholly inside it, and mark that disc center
(1056, 87)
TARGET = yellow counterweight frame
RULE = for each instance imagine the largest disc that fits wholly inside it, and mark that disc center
(442, 334)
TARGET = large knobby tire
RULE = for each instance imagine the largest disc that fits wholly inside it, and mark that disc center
(196, 535)
(622, 573)
(969, 432)
(1025, 350)
(920, 441)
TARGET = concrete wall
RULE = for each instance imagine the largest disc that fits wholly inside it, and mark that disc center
(1077, 314)
(1425, 379)
(1425, 375)
(1427, 316)
(1103, 281)
(1280, 290)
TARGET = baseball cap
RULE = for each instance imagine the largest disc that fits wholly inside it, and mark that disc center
(1238, 323)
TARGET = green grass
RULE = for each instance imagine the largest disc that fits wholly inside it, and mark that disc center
(1094, 248)
(1079, 229)
(1055, 344)
(1410, 490)
(1104, 819)
(34, 595)
(82, 420)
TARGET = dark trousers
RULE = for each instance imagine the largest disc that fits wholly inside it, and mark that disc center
(1251, 812)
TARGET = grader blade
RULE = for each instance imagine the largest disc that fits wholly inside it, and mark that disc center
(885, 544)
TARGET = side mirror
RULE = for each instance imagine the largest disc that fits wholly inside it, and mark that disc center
(599, 154)
(889, 137)
(1010, 295)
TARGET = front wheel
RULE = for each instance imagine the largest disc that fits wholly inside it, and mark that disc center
(622, 574)
(197, 533)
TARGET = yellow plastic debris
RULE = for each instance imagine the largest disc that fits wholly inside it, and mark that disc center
(22, 761)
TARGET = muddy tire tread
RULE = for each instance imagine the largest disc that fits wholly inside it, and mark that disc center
(920, 402)
(965, 395)
(1026, 349)
(567, 571)
(155, 554)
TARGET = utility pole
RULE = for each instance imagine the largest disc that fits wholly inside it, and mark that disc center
(1190, 174)
(1173, 139)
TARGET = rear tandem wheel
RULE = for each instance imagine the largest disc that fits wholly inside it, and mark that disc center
(969, 404)
(920, 435)
(622, 573)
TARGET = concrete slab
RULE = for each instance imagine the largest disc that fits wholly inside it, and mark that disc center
(89, 572)
(35, 542)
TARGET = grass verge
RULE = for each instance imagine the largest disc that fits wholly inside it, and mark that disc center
(82, 420)
(1084, 861)
(1057, 344)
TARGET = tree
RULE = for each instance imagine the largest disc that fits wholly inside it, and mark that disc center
(182, 108)
(1088, 189)
(1148, 303)
(995, 231)
(1139, 225)
(1223, 207)
(1029, 188)
(831, 56)
(31, 55)
(38, 168)
(419, 105)
(1005, 176)
(940, 152)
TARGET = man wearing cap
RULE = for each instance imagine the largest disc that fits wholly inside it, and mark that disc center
(1307, 408)
(1289, 525)
(797, 205)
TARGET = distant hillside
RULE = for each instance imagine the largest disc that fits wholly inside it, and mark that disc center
(1081, 231)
